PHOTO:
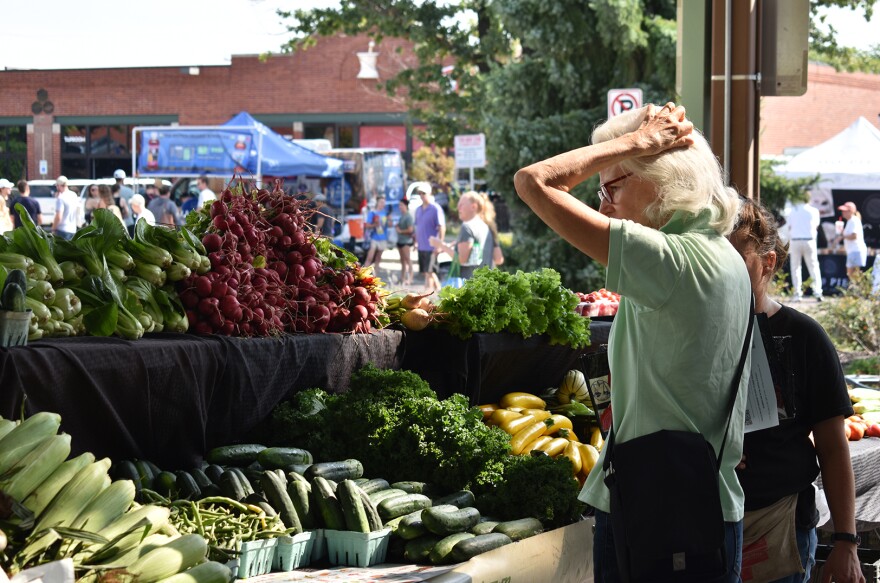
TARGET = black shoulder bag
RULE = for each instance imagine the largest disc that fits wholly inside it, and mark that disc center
(666, 516)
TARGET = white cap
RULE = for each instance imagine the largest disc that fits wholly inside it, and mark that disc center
(5, 183)
(119, 174)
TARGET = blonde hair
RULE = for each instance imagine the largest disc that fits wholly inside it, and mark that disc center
(687, 179)
(477, 200)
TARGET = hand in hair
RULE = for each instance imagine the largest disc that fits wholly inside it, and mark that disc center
(664, 128)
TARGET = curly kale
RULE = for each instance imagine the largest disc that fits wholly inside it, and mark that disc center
(293, 422)
(397, 427)
(538, 486)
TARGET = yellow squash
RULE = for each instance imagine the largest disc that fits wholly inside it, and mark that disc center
(525, 400)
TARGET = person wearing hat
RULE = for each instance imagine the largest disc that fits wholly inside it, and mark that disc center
(30, 205)
(853, 238)
(125, 194)
(66, 210)
(5, 218)
(324, 221)
(430, 221)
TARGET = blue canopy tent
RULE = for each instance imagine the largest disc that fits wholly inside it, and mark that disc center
(241, 145)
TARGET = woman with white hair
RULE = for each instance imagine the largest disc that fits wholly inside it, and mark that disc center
(678, 336)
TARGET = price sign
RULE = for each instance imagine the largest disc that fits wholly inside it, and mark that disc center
(620, 100)
(470, 151)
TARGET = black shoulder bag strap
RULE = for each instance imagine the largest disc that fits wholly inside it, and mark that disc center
(734, 390)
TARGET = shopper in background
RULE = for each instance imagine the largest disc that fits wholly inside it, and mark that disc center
(377, 225)
(323, 216)
(474, 238)
(430, 221)
(779, 464)
(31, 206)
(91, 202)
(802, 223)
(405, 229)
(105, 195)
(124, 196)
(496, 255)
(678, 335)
(66, 210)
(5, 216)
(853, 238)
(139, 211)
(164, 209)
(205, 193)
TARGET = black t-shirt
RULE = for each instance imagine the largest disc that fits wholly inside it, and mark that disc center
(30, 205)
(781, 460)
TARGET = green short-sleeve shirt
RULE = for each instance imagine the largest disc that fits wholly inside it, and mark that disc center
(676, 341)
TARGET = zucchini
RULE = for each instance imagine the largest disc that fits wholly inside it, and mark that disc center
(466, 550)
(520, 529)
(336, 471)
(299, 495)
(231, 486)
(328, 505)
(484, 527)
(352, 506)
(400, 505)
(374, 485)
(235, 455)
(297, 477)
(145, 473)
(186, 486)
(245, 482)
(298, 468)
(418, 550)
(440, 554)
(416, 488)
(276, 494)
(273, 458)
(446, 522)
(462, 499)
(380, 495)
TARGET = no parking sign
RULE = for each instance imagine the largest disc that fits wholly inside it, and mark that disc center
(620, 100)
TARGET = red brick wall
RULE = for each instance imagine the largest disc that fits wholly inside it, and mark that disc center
(321, 79)
(833, 101)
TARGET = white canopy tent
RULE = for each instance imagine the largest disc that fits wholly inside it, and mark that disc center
(848, 161)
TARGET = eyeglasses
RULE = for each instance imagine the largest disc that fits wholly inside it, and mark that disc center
(603, 193)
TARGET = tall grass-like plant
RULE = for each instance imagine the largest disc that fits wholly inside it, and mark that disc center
(853, 320)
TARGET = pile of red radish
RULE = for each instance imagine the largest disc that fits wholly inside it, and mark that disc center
(267, 276)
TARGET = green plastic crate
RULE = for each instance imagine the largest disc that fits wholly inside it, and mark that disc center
(293, 552)
(256, 557)
(357, 549)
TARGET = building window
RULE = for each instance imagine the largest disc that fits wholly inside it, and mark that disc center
(95, 151)
(13, 152)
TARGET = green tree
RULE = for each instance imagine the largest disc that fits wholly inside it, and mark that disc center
(777, 190)
(824, 47)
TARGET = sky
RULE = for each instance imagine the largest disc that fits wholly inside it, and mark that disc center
(94, 34)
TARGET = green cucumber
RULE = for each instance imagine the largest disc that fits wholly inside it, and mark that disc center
(484, 527)
(276, 493)
(273, 458)
(440, 554)
(297, 477)
(245, 481)
(419, 549)
(13, 298)
(299, 495)
(328, 505)
(187, 487)
(520, 529)
(411, 487)
(165, 483)
(352, 506)
(213, 472)
(298, 468)
(411, 525)
(231, 486)
(340, 470)
(380, 495)
(466, 550)
(374, 485)
(235, 455)
(201, 478)
(400, 505)
(446, 522)
(462, 499)
(372, 512)
(146, 473)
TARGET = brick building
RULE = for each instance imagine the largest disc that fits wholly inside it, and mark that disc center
(79, 121)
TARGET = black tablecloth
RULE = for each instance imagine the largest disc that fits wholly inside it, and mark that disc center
(486, 366)
(170, 397)
(865, 456)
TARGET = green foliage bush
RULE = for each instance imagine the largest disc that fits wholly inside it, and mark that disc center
(853, 320)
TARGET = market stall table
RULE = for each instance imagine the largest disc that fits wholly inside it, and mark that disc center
(865, 456)
(171, 397)
(486, 366)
